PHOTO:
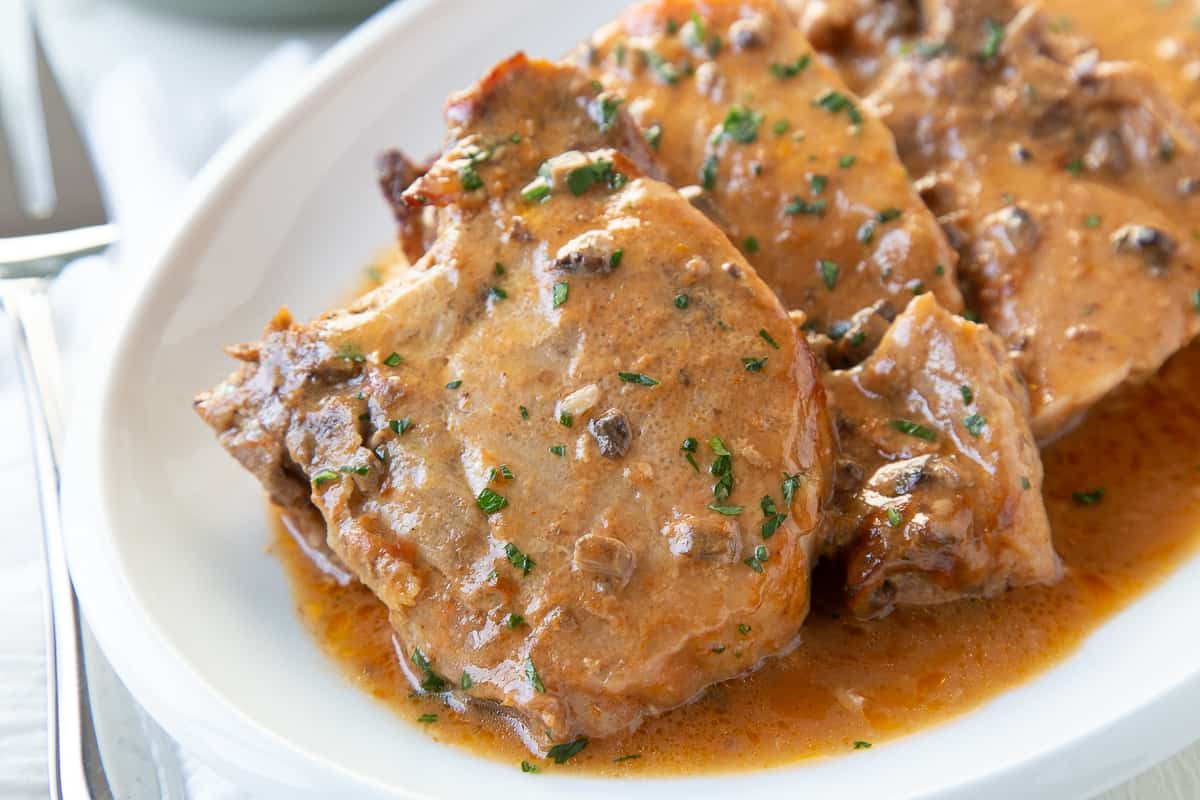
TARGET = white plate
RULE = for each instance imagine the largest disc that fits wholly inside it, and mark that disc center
(167, 535)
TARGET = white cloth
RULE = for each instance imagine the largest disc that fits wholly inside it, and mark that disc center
(147, 155)
(143, 162)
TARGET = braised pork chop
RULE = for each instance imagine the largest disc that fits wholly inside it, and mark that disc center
(1070, 187)
(545, 446)
(799, 175)
(939, 480)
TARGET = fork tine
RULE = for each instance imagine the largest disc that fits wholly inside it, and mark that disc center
(12, 215)
(80, 203)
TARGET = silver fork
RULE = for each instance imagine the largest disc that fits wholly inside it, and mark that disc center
(52, 212)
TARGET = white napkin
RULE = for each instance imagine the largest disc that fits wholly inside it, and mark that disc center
(146, 157)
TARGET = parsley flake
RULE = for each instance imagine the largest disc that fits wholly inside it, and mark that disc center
(490, 502)
(913, 429)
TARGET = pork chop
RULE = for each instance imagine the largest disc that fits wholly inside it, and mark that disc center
(939, 480)
(802, 177)
(1068, 184)
(545, 446)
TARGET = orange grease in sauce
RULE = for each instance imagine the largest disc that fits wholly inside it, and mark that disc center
(871, 681)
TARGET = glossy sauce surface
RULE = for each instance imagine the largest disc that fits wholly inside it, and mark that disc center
(867, 682)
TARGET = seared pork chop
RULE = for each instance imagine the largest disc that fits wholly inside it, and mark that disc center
(939, 479)
(1069, 185)
(802, 177)
(545, 447)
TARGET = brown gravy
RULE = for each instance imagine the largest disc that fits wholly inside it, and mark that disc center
(912, 669)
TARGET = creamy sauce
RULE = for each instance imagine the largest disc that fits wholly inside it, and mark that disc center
(1163, 35)
(910, 670)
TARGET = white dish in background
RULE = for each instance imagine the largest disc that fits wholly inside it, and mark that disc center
(167, 535)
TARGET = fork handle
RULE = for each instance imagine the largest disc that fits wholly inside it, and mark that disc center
(75, 772)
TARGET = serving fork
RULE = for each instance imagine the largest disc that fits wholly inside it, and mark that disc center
(51, 213)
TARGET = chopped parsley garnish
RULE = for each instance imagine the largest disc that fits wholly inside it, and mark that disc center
(835, 102)
(561, 290)
(604, 111)
(718, 649)
(861, 745)
(798, 205)
(772, 517)
(1075, 167)
(939, 270)
(681, 301)
(750, 244)
(792, 69)
(918, 288)
(1025, 484)
(729, 511)
(559, 450)
(993, 35)
(913, 429)
(829, 272)
(754, 364)
(498, 293)
(741, 124)
(401, 426)
(743, 628)
(846, 162)
(561, 753)
(817, 183)
(469, 177)
(1092, 221)
(524, 412)
(393, 360)
(756, 561)
(490, 502)
(688, 448)
(766, 337)
(789, 486)
(614, 260)
(975, 424)
(518, 559)
(454, 384)
(708, 173)
(653, 136)
(427, 718)
(323, 477)
(968, 394)
(466, 681)
(527, 767)
(534, 678)
(722, 469)
(857, 338)
(626, 757)
(665, 70)
(1196, 301)
(888, 214)
(513, 620)
(893, 517)
(1166, 149)
(866, 232)
(1088, 498)
(352, 353)
(780, 127)
(566, 420)
(430, 680)
(638, 378)
(580, 179)
(361, 469)
(537, 190)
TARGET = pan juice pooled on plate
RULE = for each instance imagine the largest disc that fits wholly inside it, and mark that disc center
(701, 429)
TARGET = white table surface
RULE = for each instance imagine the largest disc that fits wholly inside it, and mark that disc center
(196, 61)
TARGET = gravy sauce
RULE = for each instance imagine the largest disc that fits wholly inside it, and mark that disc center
(866, 682)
